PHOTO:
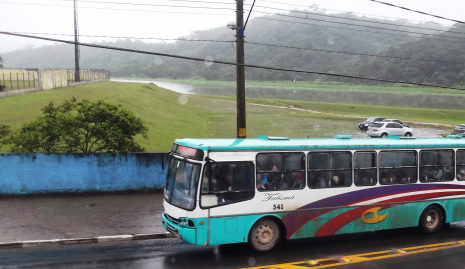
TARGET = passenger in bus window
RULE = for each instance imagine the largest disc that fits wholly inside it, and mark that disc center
(285, 183)
(404, 179)
(298, 182)
(364, 178)
(275, 178)
(262, 181)
(319, 182)
(383, 180)
(337, 181)
(461, 174)
(433, 173)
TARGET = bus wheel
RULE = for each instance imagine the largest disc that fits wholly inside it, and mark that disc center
(264, 235)
(432, 219)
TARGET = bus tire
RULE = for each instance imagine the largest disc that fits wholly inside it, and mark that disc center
(408, 134)
(264, 235)
(383, 135)
(432, 219)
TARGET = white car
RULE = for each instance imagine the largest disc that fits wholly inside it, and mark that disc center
(383, 129)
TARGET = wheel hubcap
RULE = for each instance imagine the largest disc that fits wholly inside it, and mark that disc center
(432, 219)
(264, 234)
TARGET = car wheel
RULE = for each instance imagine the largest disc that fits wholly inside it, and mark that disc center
(432, 219)
(264, 235)
(407, 134)
(383, 135)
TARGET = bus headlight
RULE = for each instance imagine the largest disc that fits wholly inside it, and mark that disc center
(185, 222)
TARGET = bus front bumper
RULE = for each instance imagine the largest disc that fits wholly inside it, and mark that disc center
(172, 225)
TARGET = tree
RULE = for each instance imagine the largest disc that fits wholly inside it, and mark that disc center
(1, 62)
(80, 127)
(4, 132)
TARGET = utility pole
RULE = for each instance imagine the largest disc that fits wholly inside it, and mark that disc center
(77, 76)
(240, 74)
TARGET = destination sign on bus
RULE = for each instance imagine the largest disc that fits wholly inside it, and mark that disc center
(188, 152)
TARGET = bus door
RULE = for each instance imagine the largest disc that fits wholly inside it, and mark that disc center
(224, 186)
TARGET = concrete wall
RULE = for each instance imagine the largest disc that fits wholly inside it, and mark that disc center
(64, 173)
(53, 78)
(45, 79)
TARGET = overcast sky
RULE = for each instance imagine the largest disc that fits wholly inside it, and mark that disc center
(163, 21)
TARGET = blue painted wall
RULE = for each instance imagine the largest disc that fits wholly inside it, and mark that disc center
(55, 173)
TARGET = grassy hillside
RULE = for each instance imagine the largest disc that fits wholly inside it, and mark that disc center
(170, 115)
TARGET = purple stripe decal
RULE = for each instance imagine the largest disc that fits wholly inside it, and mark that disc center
(294, 220)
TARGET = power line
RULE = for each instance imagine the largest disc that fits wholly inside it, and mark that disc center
(352, 12)
(146, 4)
(185, 1)
(151, 5)
(132, 37)
(121, 9)
(263, 12)
(359, 25)
(227, 63)
(345, 28)
(248, 42)
(354, 19)
(351, 53)
(417, 11)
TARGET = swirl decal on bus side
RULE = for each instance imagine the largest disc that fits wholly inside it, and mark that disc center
(377, 195)
(373, 215)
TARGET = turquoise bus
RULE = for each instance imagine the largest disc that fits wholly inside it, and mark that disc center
(268, 189)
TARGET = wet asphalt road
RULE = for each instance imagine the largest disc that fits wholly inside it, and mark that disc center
(173, 253)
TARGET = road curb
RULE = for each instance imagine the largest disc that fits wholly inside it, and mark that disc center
(88, 240)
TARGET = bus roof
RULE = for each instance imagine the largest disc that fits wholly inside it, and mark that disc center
(339, 142)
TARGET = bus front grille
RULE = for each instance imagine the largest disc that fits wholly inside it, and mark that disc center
(171, 229)
(173, 220)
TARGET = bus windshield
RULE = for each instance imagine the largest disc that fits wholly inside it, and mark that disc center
(181, 182)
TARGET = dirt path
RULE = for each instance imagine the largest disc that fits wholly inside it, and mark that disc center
(291, 107)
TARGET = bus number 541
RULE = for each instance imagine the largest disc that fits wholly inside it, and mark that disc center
(278, 206)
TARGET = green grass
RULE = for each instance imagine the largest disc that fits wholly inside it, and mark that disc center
(15, 85)
(442, 116)
(170, 115)
(330, 86)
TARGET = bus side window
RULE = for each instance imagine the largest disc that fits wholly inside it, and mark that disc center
(397, 167)
(460, 164)
(280, 171)
(330, 169)
(225, 183)
(436, 165)
(365, 169)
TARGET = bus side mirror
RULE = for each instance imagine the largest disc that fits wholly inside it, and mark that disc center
(208, 200)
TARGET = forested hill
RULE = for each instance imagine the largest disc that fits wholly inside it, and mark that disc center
(448, 69)
(317, 36)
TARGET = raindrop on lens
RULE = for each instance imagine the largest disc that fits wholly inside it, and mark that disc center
(330, 40)
(208, 61)
(183, 99)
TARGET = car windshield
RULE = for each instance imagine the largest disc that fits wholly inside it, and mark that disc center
(371, 119)
(181, 182)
